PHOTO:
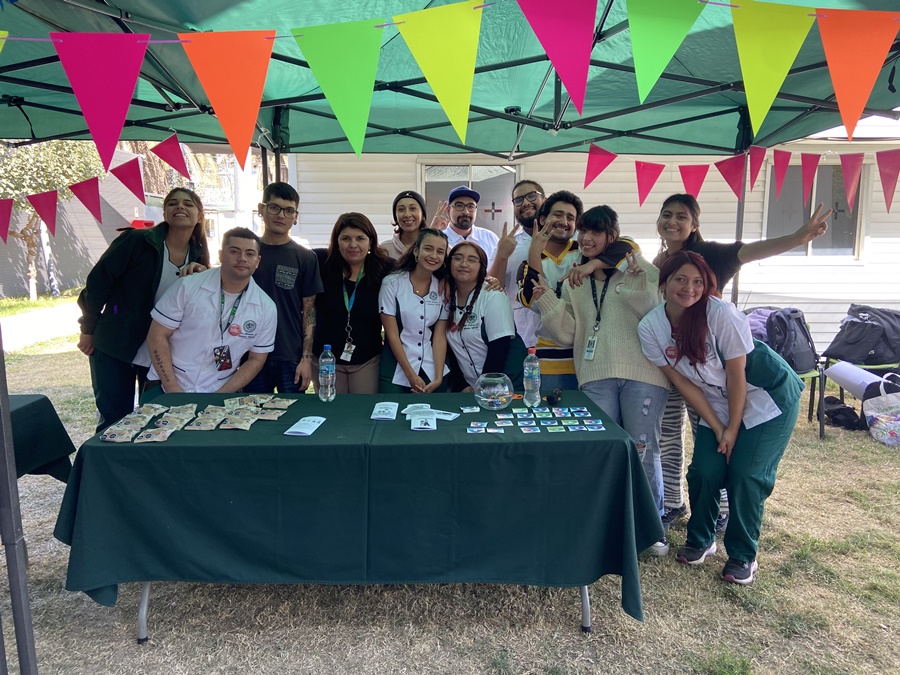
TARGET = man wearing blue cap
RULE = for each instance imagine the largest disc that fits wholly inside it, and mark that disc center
(462, 206)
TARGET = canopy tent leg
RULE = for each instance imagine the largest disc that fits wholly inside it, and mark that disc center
(585, 610)
(142, 613)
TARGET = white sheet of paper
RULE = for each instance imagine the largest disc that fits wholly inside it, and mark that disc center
(423, 420)
(412, 407)
(386, 410)
(305, 426)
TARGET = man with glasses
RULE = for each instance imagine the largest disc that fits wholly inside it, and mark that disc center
(289, 274)
(463, 207)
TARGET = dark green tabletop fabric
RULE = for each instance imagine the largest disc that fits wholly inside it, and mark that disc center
(39, 438)
(360, 502)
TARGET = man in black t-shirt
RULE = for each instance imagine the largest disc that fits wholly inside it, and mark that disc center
(289, 274)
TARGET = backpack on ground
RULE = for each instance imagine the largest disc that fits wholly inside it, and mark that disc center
(788, 336)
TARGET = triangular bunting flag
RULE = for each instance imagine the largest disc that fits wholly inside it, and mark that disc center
(809, 162)
(88, 193)
(169, 151)
(647, 175)
(768, 39)
(657, 30)
(598, 160)
(732, 170)
(3, 35)
(5, 214)
(103, 69)
(851, 166)
(782, 159)
(567, 35)
(232, 68)
(130, 175)
(888, 169)
(856, 43)
(449, 71)
(45, 206)
(693, 176)
(757, 155)
(344, 58)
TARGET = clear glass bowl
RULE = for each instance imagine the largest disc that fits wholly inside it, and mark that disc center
(493, 391)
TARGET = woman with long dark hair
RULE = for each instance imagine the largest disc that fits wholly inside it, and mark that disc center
(134, 272)
(747, 397)
(352, 268)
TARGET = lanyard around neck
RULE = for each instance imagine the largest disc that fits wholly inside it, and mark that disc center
(348, 301)
(599, 305)
(234, 308)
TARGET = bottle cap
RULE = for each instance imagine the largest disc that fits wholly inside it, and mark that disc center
(532, 350)
(327, 348)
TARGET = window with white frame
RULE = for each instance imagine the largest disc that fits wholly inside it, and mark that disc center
(787, 213)
(493, 183)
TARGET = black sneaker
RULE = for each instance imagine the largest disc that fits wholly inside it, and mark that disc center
(737, 572)
(673, 515)
(721, 522)
(688, 555)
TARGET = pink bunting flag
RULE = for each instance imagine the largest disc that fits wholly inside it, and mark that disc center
(647, 175)
(88, 193)
(809, 162)
(6, 206)
(169, 151)
(732, 170)
(45, 205)
(598, 160)
(103, 69)
(851, 166)
(888, 169)
(757, 155)
(567, 35)
(130, 175)
(693, 176)
(782, 160)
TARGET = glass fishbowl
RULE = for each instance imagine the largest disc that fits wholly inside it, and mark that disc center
(493, 391)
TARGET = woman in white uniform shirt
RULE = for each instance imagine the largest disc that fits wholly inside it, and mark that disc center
(415, 318)
(482, 333)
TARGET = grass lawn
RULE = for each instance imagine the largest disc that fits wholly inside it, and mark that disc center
(826, 601)
(11, 306)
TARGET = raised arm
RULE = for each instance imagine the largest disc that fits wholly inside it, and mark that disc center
(814, 227)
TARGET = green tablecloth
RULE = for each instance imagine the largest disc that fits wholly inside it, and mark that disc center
(39, 438)
(360, 502)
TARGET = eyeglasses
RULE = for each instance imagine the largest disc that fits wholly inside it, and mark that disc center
(459, 258)
(531, 196)
(274, 210)
(462, 206)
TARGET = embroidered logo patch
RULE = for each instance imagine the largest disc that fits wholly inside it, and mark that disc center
(249, 326)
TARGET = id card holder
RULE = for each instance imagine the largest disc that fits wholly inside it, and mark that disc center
(590, 347)
(222, 357)
(347, 354)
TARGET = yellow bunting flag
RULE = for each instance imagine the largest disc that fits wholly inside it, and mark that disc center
(444, 42)
(768, 40)
(3, 35)
(344, 58)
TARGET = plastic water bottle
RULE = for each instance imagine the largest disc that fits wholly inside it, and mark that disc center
(326, 375)
(532, 379)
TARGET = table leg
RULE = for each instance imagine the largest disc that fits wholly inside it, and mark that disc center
(142, 613)
(585, 610)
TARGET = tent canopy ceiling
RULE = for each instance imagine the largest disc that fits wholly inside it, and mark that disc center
(699, 105)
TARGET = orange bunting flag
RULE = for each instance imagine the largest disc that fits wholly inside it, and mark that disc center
(809, 162)
(693, 176)
(732, 170)
(888, 170)
(169, 151)
(130, 175)
(647, 175)
(598, 160)
(5, 216)
(88, 193)
(851, 167)
(45, 206)
(782, 159)
(856, 43)
(757, 155)
(232, 68)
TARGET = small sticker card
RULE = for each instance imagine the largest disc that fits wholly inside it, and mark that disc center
(385, 410)
(503, 423)
(305, 426)
(524, 416)
(423, 420)
(580, 413)
(505, 416)
(540, 409)
(594, 427)
(477, 424)
(520, 410)
(549, 423)
(475, 430)
(578, 428)
(494, 430)
(570, 423)
(597, 422)
(531, 430)
(564, 413)
(578, 408)
(543, 415)
(559, 410)
(469, 408)
(527, 423)
(555, 430)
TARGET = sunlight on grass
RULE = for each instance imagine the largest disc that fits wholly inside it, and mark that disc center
(13, 306)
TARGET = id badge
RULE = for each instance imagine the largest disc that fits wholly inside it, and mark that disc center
(222, 357)
(347, 354)
(590, 347)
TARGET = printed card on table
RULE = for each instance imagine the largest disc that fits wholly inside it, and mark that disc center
(385, 410)
(423, 420)
(305, 426)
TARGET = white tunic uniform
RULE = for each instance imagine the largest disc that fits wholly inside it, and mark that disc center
(416, 317)
(481, 236)
(193, 308)
(493, 311)
(527, 321)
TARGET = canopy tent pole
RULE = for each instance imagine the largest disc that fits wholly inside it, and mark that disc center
(742, 145)
(264, 154)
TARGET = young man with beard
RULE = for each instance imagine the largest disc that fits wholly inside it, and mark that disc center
(289, 274)
(462, 207)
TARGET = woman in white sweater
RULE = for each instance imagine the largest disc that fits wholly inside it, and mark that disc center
(600, 319)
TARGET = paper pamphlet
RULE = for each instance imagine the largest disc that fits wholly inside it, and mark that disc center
(305, 426)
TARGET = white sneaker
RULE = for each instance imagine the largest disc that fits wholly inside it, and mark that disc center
(660, 548)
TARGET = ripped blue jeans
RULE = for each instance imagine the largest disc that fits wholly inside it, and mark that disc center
(637, 407)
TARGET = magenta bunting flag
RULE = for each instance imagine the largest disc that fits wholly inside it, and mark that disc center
(598, 160)
(45, 205)
(851, 166)
(130, 175)
(5, 216)
(732, 170)
(693, 176)
(169, 151)
(782, 160)
(757, 155)
(809, 162)
(103, 69)
(647, 175)
(888, 169)
(88, 193)
(566, 32)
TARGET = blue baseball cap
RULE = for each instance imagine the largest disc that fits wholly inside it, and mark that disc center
(463, 191)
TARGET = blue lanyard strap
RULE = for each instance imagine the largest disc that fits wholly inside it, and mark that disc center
(348, 302)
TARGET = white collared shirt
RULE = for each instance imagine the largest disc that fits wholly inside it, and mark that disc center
(492, 311)
(481, 236)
